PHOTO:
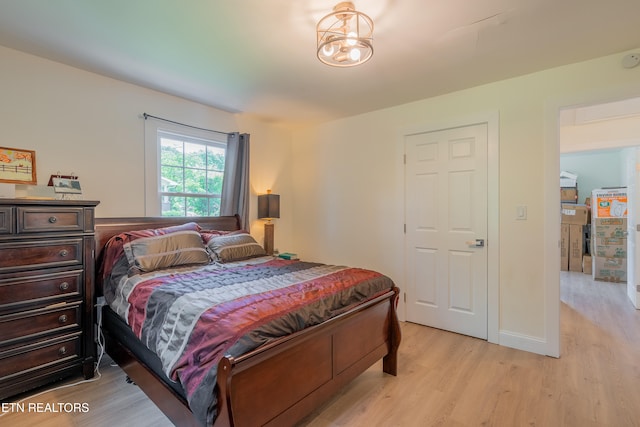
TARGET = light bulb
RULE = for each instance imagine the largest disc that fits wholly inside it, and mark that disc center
(352, 38)
(327, 49)
(354, 54)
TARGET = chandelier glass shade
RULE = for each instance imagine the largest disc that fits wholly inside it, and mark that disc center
(344, 37)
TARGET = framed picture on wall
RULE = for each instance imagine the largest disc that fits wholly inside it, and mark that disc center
(18, 166)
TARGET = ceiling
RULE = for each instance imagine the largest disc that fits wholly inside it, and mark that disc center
(258, 56)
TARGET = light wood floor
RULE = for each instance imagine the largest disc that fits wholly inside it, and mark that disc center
(447, 379)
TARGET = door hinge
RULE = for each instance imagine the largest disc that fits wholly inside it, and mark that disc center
(405, 228)
(404, 296)
(404, 159)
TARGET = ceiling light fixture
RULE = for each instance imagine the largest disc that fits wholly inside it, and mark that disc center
(344, 36)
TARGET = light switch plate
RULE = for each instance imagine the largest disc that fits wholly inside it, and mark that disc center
(521, 212)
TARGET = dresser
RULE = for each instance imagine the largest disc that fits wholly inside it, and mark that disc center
(46, 292)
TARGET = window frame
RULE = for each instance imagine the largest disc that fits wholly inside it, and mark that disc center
(153, 134)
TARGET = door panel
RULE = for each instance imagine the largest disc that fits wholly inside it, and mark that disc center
(461, 279)
(460, 214)
(446, 211)
(424, 271)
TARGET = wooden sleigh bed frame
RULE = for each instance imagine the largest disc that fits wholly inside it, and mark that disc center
(282, 382)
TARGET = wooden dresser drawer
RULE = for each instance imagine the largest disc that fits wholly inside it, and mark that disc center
(34, 323)
(39, 254)
(39, 354)
(42, 288)
(6, 220)
(36, 220)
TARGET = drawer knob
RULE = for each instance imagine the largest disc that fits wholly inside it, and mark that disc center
(64, 253)
(64, 286)
(62, 318)
(53, 219)
(62, 351)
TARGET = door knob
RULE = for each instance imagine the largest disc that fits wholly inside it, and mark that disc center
(478, 243)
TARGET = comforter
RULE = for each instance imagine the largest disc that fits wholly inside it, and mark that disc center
(193, 316)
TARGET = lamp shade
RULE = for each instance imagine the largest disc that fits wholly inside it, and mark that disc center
(269, 206)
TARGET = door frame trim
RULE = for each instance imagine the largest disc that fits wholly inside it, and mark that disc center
(492, 120)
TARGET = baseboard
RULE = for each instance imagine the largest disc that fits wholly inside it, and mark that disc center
(524, 342)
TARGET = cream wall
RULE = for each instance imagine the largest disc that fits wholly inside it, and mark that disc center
(83, 123)
(271, 160)
(349, 193)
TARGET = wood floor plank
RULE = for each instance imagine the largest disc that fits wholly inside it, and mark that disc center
(446, 379)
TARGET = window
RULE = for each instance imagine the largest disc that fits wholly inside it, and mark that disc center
(190, 174)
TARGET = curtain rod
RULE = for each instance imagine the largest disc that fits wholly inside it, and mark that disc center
(146, 116)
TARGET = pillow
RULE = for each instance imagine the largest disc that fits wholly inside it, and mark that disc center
(136, 234)
(235, 247)
(114, 248)
(207, 235)
(164, 251)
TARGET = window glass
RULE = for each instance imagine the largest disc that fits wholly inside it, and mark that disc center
(191, 173)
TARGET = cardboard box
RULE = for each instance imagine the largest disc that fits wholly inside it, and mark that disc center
(575, 214)
(610, 251)
(611, 241)
(609, 203)
(568, 179)
(576, 247)
(610, 269)
(564, 247)
(609, 228)
(568, 195)
(587, 265)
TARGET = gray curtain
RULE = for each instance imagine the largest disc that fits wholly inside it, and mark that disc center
(235, 185)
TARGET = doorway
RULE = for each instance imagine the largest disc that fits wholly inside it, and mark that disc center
(602, 140)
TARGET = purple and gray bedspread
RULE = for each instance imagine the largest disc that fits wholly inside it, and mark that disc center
(193, 316)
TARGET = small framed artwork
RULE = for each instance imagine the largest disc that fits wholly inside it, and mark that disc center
(18, 166)
(66, 185)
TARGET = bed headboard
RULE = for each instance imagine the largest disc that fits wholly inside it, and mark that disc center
(106, 228)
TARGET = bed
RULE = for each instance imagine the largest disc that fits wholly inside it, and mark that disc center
(287, 357)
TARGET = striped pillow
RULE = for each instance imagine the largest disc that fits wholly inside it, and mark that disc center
(169, 250)
(235, 247)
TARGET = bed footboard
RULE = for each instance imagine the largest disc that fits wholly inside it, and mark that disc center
(279, 384)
